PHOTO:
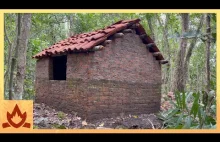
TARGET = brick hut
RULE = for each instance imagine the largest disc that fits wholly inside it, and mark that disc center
(102, 73)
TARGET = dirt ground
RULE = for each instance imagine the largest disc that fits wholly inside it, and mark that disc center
(49, 118)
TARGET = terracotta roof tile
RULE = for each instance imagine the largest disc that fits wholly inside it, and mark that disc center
(86, 41)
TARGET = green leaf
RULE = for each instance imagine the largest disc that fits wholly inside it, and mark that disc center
(184, 101)
(200, 115)
(187, 123)
(213, 16)
(214, 36)
(169, 121)
(171, 101)
(195, 107)
(179, 126)
(210, 120)
(61, 127)
(188, 96)
(161, 116)
(177, 96)
(57, 126)
(179, 120)
(175, 111)
(181, 100)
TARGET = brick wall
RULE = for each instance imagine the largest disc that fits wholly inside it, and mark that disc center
(124, 77)
(125, 59)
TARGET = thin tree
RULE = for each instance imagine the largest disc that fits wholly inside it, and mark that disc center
(71, 22)
(178, 83)
(21, 55)
(166, 74)
(191, 47)
(208, 43)
(9, 55)
(14, 58)
(149, 21)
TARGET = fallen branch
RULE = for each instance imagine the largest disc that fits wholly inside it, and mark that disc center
(151, 124)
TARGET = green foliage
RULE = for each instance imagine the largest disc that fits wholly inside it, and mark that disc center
(49, 28)
(35, 127)
(61, 115)
(190, 112)
(57, 126)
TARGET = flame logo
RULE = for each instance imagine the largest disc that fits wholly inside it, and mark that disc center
(14, 116)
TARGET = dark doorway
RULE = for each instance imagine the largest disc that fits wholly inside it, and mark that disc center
(59, 67)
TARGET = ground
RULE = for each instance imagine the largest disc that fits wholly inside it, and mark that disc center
(46, 117)
(49, 118)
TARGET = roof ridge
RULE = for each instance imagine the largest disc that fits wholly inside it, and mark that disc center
(84, 42)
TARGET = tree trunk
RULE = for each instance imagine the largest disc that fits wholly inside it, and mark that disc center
(197, 78)
(13, 62)
(166, 74)
(149, 21)
(71, 30)
(178, 83)
(21, 60)
(208, 43)
(8, 61)
(191, 47)
(52, 34)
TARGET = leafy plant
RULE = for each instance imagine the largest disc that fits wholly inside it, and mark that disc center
(191, 111)
(57, 126)
(61, 115)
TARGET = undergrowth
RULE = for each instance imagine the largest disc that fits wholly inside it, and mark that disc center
(191, 111)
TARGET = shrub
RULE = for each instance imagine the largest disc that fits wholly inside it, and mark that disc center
(191, 111)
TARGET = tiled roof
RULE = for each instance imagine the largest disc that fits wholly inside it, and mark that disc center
(85, 41)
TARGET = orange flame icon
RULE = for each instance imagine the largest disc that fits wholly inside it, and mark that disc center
(11, 119)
